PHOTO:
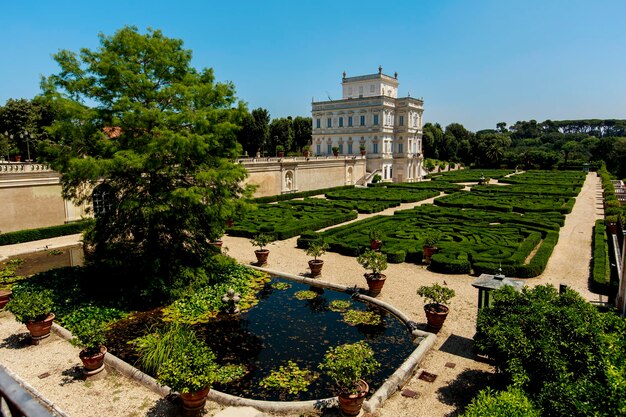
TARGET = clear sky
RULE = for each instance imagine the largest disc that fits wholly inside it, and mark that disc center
(474, 62)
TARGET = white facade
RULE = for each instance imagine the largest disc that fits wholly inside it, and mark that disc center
(371, 114)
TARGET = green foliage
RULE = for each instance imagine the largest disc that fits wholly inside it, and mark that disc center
(261, 240)
(403, 195)
(300, 194)
(226, 374)
(339, 306)
(431, 237)
(190, 365)
(89, 335)
(347, 364)
(156, 347)
(281, 286)
(509, 403)
(558, 348)
(160, 137)
(373, 261)
(306, 295)
(317, 248)
(601, 272)
(446, 187)
(8, 275)
(205, 303)
(27, 305)
(88, 325)
(358, 317)
(29, 235)
(374, 234)
(376, 179)
(290, 379)
(436, 294)
(470, 175)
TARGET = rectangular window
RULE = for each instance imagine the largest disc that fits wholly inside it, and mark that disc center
(329, 122)
(401, 121)
(341, 148)
(362, 120)
(329, 149)
(319, 123)
(400, 148)
(375, 119)
(341, 122)
(349, 121)
(350, 148)
(319, 149)
(374, 147)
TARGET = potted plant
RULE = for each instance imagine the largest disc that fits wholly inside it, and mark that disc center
(89, 334)
(316, 248)
(436, 311)
(191, 371)
(362, 149)
(335, 150)
(347, 365)
(376, 262)
(261, 240)
(375, 242)
(430, 244)
(5, 297)
(306, 152)
(33, 308)
(280, 151)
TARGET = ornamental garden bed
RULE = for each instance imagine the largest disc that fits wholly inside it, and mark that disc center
(470, 175)
(520, 203)
(446, 187)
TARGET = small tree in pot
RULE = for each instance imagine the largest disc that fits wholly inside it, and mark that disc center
(347, 365)
(376, 262)
(436, 311)
(316, 248)
(375, 242)
(431, 237)
(261, 240)
(89, 334)
(33, 308)
(335, 150)
(362, 149)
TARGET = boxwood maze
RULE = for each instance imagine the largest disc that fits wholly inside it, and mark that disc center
(446, 187)
(553, 178)
(383, 194)
(290, 218)
(528, 189)
(510, 202)
(472, 240)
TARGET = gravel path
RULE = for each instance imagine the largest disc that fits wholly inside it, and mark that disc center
(459, 372)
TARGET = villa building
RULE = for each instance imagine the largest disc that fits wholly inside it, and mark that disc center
(371, 115)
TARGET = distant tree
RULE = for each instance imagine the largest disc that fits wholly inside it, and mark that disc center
(159, 140)
(281, 133)
(302, 131)
(432, 139)
(569, 148)
(22, 116)
(261, 128)
(501, 127)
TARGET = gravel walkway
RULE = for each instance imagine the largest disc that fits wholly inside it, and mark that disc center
(459, 372)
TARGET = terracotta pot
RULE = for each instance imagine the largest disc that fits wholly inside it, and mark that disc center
(306, 153)
(193, 402)
(280, 154)
(316, 267)
(17, 158)
(363, 152)
(336, 154)
(261, 256)
(435, 319)
(5, 297)
(374, 283)
(429, 251)
(40, 329)
(93, 363)
(375, 244)
(350, 405)
(217, 243)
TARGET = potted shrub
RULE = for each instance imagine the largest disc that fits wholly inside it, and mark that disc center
(376, 262)
(33, 308)
(362, 149)
(430, 244)
(335, 150)
(280, 151)
(347, 365)
(436, 311)
(89, 334)
(191, 371)
(316, 248)
(306, 152)
(375, 242)
(261, 240)
(5, 297)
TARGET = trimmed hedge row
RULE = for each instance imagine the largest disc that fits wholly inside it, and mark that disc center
(403, 195)
(446, 187)
(561, 178)
(527, 189)
(30, 235)
(518, 203)
(470, 175)
(301, 194)
(601, 272)
(290, 218)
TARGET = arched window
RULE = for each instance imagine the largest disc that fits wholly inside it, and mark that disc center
(102, 198)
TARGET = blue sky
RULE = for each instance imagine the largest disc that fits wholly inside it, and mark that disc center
(474, 62)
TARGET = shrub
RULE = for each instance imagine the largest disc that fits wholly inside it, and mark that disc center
(436, 294)
(29, 235)
(30, 305)
(347, 364)
(317, 248)
(261, 240)
(510, 403)
(601, 271)
(373, 261)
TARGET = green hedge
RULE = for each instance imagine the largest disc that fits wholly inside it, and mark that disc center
(601, 272)
(446, 187)
(470, 175)
(403, 195)
(301, 194)
(30, 235)
(511, 202)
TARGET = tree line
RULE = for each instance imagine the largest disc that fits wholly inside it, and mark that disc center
(529, 144)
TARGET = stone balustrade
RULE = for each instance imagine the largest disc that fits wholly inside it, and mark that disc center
(23, 167)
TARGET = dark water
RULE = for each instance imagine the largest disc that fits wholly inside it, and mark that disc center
(282, 328)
